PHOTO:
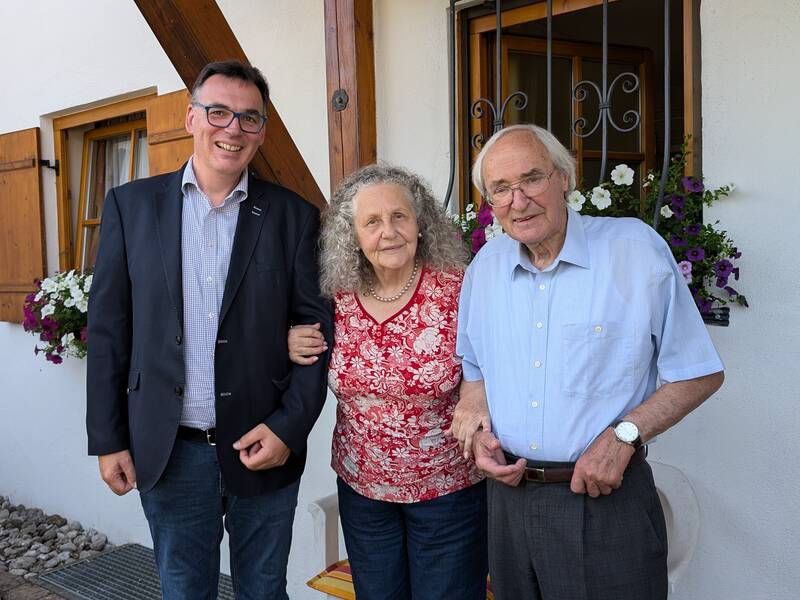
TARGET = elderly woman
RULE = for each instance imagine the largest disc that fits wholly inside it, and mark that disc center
(413, 510)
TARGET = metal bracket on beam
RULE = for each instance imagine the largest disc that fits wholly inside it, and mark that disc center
(55, 166)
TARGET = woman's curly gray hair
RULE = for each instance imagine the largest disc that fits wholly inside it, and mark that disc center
(344, 268)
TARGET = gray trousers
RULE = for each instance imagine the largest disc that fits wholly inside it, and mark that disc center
(547, 543)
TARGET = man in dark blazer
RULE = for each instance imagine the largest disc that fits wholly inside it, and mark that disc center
(191, 397)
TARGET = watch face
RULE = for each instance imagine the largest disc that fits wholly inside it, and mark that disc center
(627, 432)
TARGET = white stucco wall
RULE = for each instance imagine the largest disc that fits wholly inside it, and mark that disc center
(739, 450)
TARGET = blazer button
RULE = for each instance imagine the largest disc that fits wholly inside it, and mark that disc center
(178, 340)
(178, 390)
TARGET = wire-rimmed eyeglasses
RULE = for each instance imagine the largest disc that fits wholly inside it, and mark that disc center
(531, 185)
(219, 116)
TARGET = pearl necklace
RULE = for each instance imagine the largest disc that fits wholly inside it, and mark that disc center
(399, 294)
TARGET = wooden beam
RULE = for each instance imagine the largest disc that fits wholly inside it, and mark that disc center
(692, 98)
(350, 66)
(194, 33)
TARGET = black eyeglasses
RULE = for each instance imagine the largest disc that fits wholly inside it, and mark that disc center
(219, 116)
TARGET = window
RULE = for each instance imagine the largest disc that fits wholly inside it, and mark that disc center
(113, 154)
(636, 44)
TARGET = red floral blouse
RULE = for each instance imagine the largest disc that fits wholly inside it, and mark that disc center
(397, 385)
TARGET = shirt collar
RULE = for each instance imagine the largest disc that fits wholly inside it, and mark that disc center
(575, 250)
(237, 195)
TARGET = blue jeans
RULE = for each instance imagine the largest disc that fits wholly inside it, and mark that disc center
(185, 511)
(423, 550)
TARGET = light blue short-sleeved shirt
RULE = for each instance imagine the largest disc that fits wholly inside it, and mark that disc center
(567, 350)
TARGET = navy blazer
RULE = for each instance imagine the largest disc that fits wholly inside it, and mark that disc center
(135, 373)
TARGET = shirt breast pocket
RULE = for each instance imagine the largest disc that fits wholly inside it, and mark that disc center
(597, 359)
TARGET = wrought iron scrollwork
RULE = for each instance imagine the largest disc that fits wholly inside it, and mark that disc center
(518, 100)
(630, 84)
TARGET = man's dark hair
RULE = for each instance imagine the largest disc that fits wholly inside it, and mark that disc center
(233, 69)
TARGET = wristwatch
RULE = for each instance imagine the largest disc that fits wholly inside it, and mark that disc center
(628, 433)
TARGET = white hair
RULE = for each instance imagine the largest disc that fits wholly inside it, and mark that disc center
(560, 157)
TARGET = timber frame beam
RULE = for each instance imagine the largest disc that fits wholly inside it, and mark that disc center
(194, 33)
(350, 66)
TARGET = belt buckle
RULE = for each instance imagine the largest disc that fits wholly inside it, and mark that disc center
(535, 474)
(211, 437)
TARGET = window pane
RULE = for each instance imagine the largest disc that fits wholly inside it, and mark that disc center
(528, 73)
(140, 167)
(620, 103)
(91, 240)
(109, 167)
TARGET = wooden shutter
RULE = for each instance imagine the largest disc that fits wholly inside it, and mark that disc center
(22, 245)
(169, 145)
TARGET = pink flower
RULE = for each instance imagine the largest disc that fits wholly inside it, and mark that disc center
(478, 240)
(686, 270)
(485, 216)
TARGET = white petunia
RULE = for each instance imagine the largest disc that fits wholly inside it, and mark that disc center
(666, 211)
(575, 200)
(622, 175)
(67, 339)
(69, 302)
(471, 215)
(48, 285)
(87, 283)
(493, 229)
(601, 198)
(82, 305)
(48, 309)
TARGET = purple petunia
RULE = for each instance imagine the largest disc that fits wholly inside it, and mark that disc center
(485, 216)
(723, 268)
(735, 253)
(676, 201)
(678, 213)
(478, 240)
(690, 184)
(696, 254)
(693, 229)
(677, 242)
(722, 282)
(686, 270)
(54, 358)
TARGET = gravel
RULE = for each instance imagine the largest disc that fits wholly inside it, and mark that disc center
(32, 542)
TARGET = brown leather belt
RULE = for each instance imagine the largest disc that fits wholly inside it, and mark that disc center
(543, 472)
(198, 435)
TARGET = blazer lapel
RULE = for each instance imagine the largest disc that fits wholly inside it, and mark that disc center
(168, 209)
(252, 212)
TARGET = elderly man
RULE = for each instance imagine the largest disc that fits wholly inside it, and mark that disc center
(567, 323)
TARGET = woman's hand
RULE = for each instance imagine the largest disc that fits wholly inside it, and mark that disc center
(305, 343)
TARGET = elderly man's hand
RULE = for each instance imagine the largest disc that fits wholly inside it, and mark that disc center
(490, 460)
(305, 342)
(118, 472)
(471, 415)
(260, 449)
(599, 470)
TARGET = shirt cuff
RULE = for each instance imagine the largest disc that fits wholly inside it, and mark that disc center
(471, 372)
(707, 368)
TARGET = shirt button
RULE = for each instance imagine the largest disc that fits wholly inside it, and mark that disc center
(537, 363)
(539, 325)
(598, 329)
(211, 315)
(533, 446)
(209, 279)
(535, 404)
(542, 286)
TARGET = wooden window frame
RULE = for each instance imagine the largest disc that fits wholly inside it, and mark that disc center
(66, 249)
(100, 133)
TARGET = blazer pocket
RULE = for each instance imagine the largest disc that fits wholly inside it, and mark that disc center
(283, 383)
(133, 381)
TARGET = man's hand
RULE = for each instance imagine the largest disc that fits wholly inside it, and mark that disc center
(599, 470)
(118, 472)
(470, 416)
(490, 460)
(260, 449)
(305, 343)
